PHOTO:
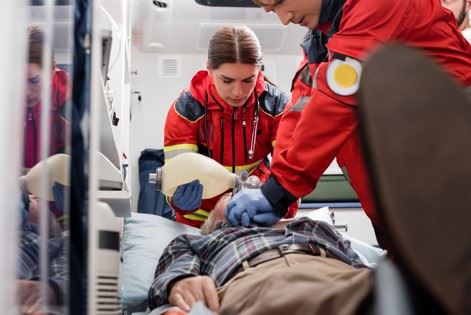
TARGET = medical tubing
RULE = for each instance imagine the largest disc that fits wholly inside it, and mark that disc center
(221, 122)
(221, 150)
(254, 134)
(234, 118)
(206, 134)
(254, 130)
(244, 127)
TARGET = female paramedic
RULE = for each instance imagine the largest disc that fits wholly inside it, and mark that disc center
(230, 113)
(59, 96)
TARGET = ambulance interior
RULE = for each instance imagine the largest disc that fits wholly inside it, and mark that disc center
(139, 54)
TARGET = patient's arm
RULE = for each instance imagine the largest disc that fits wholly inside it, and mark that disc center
(29, 293)
(178, 261)
(185, 292)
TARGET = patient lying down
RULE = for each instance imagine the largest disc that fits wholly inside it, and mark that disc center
(299, 267)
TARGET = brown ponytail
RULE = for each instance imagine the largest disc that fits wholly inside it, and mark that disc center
(234, 44)
(36, 46)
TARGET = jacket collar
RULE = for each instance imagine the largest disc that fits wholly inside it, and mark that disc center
(314, 42)
(202, 84)
(329, 10)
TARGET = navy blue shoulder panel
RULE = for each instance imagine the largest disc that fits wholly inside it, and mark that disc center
(188, 107)
(273, 100)
(314, 46)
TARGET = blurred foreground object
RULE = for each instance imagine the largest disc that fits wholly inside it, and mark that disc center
(54, 169)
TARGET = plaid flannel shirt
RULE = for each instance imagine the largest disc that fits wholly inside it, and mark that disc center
(29, 261)
(221, 253)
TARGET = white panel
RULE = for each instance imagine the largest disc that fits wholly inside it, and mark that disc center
(107, 137)
(12, 84)
(185, 26)
(272, 37)
(359, 225)
(108, 141)
(62, 28)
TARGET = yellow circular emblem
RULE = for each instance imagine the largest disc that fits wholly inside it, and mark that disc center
(343, 76)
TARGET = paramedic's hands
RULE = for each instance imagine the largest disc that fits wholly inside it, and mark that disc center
(188, 196)
(185, 292)
(250, 206)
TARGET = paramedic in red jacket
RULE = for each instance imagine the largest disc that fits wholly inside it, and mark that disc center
(229, 113)
(314, 52)
(59, 94)
(328, 126)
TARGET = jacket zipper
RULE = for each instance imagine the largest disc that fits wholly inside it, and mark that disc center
(33, 122)
(221, 124)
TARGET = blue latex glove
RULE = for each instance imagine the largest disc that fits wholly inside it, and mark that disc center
(248, 207)
(188, 196)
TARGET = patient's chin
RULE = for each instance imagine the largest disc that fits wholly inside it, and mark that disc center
(210, 225)
(207, 227)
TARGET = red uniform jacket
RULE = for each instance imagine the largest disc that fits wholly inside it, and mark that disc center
(328, 125)
(301, 90)
(200, 121)
(59, 95)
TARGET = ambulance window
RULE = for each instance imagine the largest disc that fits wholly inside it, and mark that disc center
(227, 3)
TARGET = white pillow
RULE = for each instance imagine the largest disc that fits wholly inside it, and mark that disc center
(320, 214)
(370, 255)
(144, 239)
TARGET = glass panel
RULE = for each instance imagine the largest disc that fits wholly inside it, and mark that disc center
(12, 56)
(43, 225)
